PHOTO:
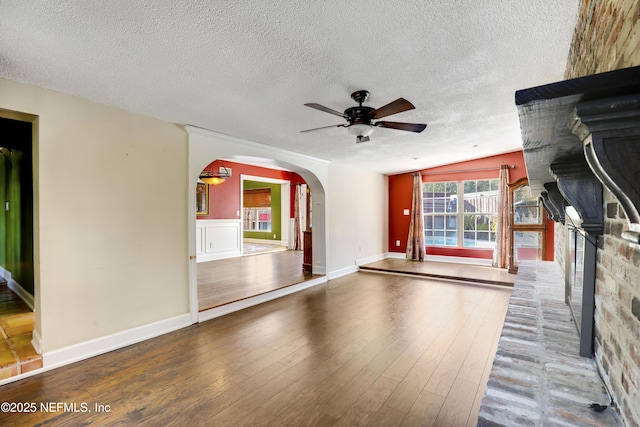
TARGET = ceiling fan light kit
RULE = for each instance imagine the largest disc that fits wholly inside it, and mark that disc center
(360, 119)
(360, 131)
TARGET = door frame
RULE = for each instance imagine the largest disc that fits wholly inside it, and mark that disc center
(285, 205)
(513, 227)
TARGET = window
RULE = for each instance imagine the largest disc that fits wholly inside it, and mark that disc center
(447, 224)
(480, 213)
(440, 201)
(257, 219)
(257, 209)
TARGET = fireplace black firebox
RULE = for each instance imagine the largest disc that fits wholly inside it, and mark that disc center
(580, 261)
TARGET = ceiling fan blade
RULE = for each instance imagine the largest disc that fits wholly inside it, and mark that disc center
(410, 127)
(397, 106)
(324, 127)
(325, 109)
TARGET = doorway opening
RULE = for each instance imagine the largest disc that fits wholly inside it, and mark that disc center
(17, 269)
(254, 212)
(206, 145)
(266, 214)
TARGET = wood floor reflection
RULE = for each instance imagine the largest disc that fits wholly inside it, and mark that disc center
(225, 281)
(363, 349)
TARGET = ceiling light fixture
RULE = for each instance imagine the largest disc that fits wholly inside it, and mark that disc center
(361, 131)
(215, 178)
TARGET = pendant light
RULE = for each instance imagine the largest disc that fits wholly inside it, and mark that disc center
(215, 178)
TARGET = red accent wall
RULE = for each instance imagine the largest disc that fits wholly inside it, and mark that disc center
(224, 199)
(401, 187)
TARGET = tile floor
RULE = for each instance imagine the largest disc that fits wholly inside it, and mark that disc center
(17, 355)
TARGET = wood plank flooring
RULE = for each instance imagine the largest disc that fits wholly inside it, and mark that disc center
(364, 349)
(224, 281)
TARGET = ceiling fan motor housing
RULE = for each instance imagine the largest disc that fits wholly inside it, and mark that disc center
(359, 115)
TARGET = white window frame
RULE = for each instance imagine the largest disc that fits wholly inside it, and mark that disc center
(459, 214)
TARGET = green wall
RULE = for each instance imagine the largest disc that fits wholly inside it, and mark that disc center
(276, 211)
(16, 223)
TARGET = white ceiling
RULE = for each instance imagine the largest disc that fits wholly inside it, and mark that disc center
(246, 67)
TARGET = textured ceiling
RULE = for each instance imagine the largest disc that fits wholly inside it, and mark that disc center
(245, 68)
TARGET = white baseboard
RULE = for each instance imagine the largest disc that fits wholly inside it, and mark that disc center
(371, 259)
(24, 295)
(460, 260)
(443, 258)
(17, 288)
(36, 341)
(318, 269)
(258, 299)
(265, 242)
(5, 273)
(343, 272)
(396, 255)
(87, 349)
(218, 255)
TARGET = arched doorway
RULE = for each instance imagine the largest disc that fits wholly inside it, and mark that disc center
(206, 146)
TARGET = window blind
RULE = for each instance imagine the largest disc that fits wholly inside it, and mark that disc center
(257, 198)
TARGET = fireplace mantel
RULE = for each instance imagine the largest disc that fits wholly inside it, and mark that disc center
(594, 121)
(610, 132)
(580, 188)
(554, 202)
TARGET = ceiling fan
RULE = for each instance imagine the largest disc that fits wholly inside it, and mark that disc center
(360, 119)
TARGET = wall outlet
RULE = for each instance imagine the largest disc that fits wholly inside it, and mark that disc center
(274, 236)
(406, 212)
(397, 242)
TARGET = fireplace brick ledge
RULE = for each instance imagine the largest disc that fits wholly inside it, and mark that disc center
(538, 377)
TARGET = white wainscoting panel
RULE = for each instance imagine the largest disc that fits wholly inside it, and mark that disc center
(219, 239)
(199, 239)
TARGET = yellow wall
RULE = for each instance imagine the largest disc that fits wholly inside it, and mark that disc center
(358, 215)
(111, 216)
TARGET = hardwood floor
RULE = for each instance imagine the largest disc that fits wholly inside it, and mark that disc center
(228, 280)
(364, 349)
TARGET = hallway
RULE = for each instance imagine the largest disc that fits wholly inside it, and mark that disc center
(17, 355)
